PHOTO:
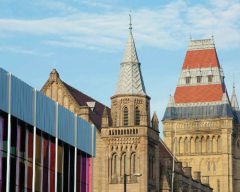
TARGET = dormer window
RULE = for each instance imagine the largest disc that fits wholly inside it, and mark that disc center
(188, 79)
(210, 78)
(199, 79)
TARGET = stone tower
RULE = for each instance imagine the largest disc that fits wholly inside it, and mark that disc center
(201, 124)
(132, 141)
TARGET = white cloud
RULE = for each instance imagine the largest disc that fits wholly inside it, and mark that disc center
(166, 27)
(21, 50)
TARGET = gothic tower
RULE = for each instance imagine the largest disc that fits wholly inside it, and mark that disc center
(201, 125)
(132, 141)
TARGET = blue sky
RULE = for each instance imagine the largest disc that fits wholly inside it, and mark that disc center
(85, 41)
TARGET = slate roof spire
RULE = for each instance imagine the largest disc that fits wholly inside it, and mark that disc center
(130, 79)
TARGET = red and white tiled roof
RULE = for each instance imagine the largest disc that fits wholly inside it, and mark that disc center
(200, 65)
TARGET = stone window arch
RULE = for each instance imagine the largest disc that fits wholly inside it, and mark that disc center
(125, 116)
(186, 147)
(197, 145)
(133, 163)
(137, 116)
(209, 146)
(214, 144)
(123, 163)
(181, 145)
(219, 144)
(203, 144)
(192, 145)
(114, 164)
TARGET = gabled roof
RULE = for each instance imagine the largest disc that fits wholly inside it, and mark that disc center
(82, 99)
(130, 79)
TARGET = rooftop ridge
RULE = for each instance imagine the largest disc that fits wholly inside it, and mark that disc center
(201, 44)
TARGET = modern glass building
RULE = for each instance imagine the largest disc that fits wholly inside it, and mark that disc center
(43, 146)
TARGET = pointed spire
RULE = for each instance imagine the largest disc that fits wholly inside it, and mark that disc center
(155, 121)
(130, 79)
(234, 101)
(130, 51)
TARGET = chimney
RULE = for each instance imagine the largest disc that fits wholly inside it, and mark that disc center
(188, 171)
(197, 175)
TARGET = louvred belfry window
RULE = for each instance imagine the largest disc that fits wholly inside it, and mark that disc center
(125, 116)
(137, 116)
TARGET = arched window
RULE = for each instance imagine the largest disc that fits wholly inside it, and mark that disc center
(125, 116)
(197, 145)
(203, 145)
(209, 165)
(137, 116)
(181, 145)
(219, 144)
(186, 145)
(114, 164)
(123, 163)
(133, 163)
(209, 146)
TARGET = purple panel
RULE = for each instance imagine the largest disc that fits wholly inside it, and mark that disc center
(84, 174)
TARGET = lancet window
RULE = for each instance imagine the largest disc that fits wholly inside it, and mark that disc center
(125, 116)
(137, 116)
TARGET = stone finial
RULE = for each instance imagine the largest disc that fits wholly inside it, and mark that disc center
(171, 101)
(105, 120)
(155, 122)
(54, 75)
(234, 101)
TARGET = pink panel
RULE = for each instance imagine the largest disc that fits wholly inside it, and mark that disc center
(90, 174)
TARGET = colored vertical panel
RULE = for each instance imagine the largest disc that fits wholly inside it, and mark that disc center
(94, 141)
(21, 100)
(45, 114)
(84, 140)
(90, 175)
(3, 90)
(66, 125)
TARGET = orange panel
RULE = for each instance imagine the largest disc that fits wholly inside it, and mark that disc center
(200, 93)
(201, 59)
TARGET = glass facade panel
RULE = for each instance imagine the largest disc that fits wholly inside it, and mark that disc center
(21, 156)
(38, 172)
(79, 167)
(3, 149)
(22, 139)
(60, 168)
(84, 174)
